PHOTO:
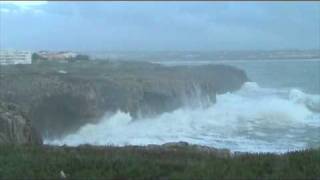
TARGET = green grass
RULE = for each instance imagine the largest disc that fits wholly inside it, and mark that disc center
(46, 162)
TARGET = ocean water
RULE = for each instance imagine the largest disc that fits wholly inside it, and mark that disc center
(278, 111)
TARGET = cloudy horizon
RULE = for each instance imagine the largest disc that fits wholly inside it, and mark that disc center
(159, 26)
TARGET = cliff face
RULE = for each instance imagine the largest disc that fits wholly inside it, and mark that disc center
(15, 128)
(61, 102)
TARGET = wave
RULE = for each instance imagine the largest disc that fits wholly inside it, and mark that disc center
(252, 119)
(310, 101)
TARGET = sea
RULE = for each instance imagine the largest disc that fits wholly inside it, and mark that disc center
(277, 111)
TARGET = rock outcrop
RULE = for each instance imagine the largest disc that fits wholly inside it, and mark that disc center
(15, 128)
(204, 149)
(61, 102)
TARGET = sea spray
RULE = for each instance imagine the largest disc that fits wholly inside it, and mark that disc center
(252, 119)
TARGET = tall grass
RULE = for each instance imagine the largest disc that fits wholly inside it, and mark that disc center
(46, 162)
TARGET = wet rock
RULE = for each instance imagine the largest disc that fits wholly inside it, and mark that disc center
(15, 127)
(176, 144)
(196, 148)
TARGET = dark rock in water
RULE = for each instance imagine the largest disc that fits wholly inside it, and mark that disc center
(59, 103)
(185, 145)
(176, 144)
(15, 128)
(313, 106)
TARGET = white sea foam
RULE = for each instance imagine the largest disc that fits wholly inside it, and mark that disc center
(311, 101)
(253, 119)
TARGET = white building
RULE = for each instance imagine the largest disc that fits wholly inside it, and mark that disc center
(69, 54)
(15, 57)
(64, 55)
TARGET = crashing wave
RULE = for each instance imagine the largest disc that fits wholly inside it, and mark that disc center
(312, 102)
(253, 119)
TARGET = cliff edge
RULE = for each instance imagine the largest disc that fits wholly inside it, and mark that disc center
(61, 97)
(15, 127)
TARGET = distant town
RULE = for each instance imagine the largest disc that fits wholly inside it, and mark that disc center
(11, 57)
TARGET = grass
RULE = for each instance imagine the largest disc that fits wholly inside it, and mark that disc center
(88, 162)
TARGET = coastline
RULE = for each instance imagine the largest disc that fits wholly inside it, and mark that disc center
(203, 62)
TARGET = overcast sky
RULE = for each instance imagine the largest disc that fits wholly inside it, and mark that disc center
(153, 26)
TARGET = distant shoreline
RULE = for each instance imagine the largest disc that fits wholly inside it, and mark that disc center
(212, 55)
(238, 61)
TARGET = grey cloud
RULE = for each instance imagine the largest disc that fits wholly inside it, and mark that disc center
(165, 26)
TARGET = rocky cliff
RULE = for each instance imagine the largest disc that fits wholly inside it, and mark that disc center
(62, 97)
(15, 127)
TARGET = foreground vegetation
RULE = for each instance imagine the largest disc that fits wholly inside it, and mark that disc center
(43, 162)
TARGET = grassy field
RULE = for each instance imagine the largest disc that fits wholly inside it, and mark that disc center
(87, 162)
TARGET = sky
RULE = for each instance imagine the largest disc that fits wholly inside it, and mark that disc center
(159, 26)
